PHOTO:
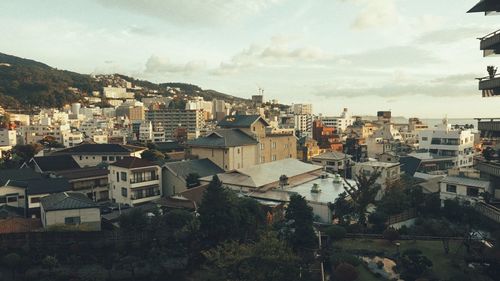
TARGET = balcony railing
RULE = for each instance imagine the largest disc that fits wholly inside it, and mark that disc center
(142, 196)
(490, 168)
(144, 179)
(489, 83)
(490, 43)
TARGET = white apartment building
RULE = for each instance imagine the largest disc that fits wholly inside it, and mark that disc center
(172, 119)
(71, 138)
(117, 93)
(36, 133)
(444, 141)
(134, 181)
(340, 122)
(303, 124)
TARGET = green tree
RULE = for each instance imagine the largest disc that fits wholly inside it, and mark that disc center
(300, 217)
(192, 180)
(413, 264)
(364, 193)
(395, 201)
(12, 261)
(133, 221)
(251, 218)
(218, 216)
(336, 232)
(268, 259)
(342, 209)
(27, 151)
(152, 155)
(390, 234)
(345, 272)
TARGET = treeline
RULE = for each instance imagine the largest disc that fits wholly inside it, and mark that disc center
(229, 238)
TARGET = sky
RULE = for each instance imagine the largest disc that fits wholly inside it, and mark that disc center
(415, 58)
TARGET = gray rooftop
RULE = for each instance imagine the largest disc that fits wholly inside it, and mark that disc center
(331, 155)
(67, 201)
(240, 121)
(224, 138)
(466, 181)
(202, 167)
(263, 174)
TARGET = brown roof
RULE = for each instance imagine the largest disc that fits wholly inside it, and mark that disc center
(195, 194)
(19, 225)
(133, 162)
(176, 203)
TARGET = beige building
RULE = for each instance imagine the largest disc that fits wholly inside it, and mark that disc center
(70, 209)
(243, 141)
(134, 181)
(389, 172)
(171, 119)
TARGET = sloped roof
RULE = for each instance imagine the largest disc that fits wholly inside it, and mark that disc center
(168, 146)
(431, 185)
(260, 175)
(409, 164)
(100, 148)
(240, 121)
(82, 173)
(224, 138)
(133, 162)
(54, 163)
(332, 155)
(67, 201)
(43, 185)
(18, 175)
(202, 167)
(486, 6)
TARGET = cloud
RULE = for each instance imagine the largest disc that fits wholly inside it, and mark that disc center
(452, 35)
(192, 12)
(458, 85)
(279, 50)
(394, 56)
(158, 65)
(374, 13)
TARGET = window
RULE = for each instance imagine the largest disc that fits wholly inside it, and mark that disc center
(72, 220)
(262, 159)
(11, 199)
(35, 200)
(286, 145)
(274, 145)
(238, 150)
(424, 138)
(105, 158)
(117, 177)
(124, 192)
(124, 176)
(262, 146)
(81, 157)
(472, 191)
(111, 158)
(451, 188)
(274, 158)
(3, 200)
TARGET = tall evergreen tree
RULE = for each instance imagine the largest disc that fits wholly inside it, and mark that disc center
(218, 216)
(300, 217)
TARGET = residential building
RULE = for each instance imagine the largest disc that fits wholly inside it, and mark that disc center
(51, 163)
(303, 124)
(448, 142)
(307, 148)
(174, 174)
(227, 148)
(132, 110)
(8, 137)
(464, 189)
(88, 155)
(116, 93)
(91, 181)
(70, 209)
(339, 122)
(134, 181)
(389, 173)
(334, 161)
(171, 119)
(327, 137)
(71, 138)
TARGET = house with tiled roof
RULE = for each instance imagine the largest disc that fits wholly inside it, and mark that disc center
(89, 154)
(52, 163)
(91, 181)
(243, 141)
(174, 174)
(70, 209)
(134, 181)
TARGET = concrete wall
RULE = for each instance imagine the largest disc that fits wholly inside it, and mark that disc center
(90, 217)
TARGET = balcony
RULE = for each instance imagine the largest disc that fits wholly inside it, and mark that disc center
(490, 86)
(144, 179)
(144, 195)
(490, 168)
(490, 44)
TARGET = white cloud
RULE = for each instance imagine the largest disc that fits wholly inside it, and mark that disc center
(192, 12)
(452, 35)
(375, 13)
(160, 65)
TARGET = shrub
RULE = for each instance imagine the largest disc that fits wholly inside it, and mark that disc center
(339, 258)
(391, 235)
(346, 272)
(336, 232)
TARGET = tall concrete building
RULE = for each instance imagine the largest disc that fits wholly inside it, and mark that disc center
(302, 108)
(172, 119)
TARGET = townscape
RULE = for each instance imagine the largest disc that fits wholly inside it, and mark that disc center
(108, 177)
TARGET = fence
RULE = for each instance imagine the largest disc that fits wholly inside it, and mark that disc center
(488, 211)
(404, 216)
